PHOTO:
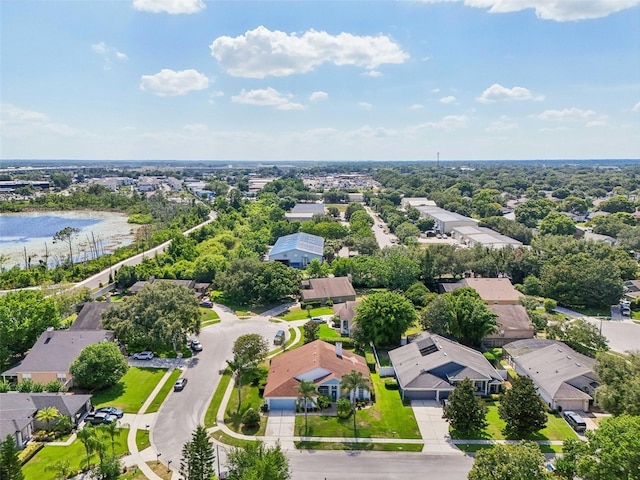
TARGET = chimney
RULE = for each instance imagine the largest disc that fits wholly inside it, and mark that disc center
(339, 349)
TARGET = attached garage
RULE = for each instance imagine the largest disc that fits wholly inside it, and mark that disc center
(281, 403)
(420, 394)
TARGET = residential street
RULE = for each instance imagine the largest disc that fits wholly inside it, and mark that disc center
(383, 239)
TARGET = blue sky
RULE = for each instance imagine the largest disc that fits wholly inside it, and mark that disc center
(320, 80)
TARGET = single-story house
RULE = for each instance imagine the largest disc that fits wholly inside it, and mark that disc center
(90, 317)
(345, 312)
(494, 291)
(18, 412)
(430, 367)
(564, 378)
(53, 353)
(336, 289)
(297, 250)
(514, 324)
(319, 362)
(304, 212)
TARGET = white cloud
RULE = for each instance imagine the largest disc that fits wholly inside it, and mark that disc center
(501, 126)
(318, 96)
(497, 92)
(558, 10)
(18, 122)
(600, 122)
(416, 106)
(636, 107)
(168, 82)
(261, 52)
(450, 122)
(365, 105)
(448, 99)
(268, 97)
(108, 54)
(372, 73)
(169, 6)
(566, 114)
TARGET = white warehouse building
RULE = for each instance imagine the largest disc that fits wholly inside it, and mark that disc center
(446, 221)
(473, 235)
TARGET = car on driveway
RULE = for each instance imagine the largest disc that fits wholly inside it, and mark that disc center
(143, 356)
(317, 319)
(206, 304)
(116, 412)
(98, 418)
(196, 346)
(180, 384)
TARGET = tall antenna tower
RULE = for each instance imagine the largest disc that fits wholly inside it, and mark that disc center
(438, 159)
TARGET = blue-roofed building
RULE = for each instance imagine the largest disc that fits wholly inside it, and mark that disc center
(297, 250)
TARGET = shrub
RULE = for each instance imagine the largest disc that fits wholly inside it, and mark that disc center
(391, 384)
(344, 407)
(329, 302)
(251, 417)
(549, 305)
(55, 386)
(264, 407)
(4, 386)
(489, 356)
(28, 385)
(323, 402)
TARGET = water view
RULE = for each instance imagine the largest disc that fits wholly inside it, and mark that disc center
(25, 236)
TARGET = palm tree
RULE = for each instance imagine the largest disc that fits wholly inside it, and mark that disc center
(47, 414)
(239, 366)
(351, 382)
(113, 431)
(306, 393)
(88, 437)
(62, 469)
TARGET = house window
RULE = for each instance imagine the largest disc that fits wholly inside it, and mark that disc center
(324, 390)
(62, 377)
(26, 376)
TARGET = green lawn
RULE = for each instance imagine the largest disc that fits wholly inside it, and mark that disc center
(475, 447)
(164, 391)
(212, 411)
(386, 418)
(556, 429)
(209, 317)
(377, 447)
(233, 414)
(131, 391)
(299, 314)
(222, 437)
(325, 331)
(41, 466)
(142, 439)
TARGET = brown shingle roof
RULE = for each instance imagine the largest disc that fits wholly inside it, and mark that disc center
(318, 355)
(512, 317)
(490, 289)
(322, 288)
(347, 310)
(90, 317)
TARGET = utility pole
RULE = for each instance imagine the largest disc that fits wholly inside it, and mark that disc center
(438, 159)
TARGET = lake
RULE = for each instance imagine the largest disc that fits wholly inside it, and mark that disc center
(34, 231)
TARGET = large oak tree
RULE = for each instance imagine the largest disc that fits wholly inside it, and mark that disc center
(383, 317)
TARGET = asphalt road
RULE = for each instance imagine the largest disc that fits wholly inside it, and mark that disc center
(103, 277)
(183, 411)
(383, 239)
(358, 465)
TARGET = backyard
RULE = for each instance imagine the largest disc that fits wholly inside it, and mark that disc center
(386, 418)
(131, 391)
(43, 464)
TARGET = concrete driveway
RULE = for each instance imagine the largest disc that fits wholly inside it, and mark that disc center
(280, 427)
(433, 428)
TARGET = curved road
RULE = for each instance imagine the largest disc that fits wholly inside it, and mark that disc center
(183, 411)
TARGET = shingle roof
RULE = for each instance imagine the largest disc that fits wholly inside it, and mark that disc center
(489, 289)
(511, 318)
(328, 288)
(317, 355)
(346, 310)
(55, 350)
(299, 241)
(551, 365)
(90, 317)
(430, 360)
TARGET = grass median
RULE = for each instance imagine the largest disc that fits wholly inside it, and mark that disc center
(155, 405)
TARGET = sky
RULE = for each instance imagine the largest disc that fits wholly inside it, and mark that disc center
(320, 80)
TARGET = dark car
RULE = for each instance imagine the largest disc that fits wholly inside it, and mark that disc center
(206, 304)
(116, 412)
(180, 384)
(317, 320)
(98, 418)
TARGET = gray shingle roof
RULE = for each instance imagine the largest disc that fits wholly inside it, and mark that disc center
(55, 350)
(299, 241)
(328, 288)
(90, 317)
(553, 366)
(440, 360)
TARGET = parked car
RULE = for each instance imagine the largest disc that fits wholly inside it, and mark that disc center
(143, 356)
(180, 384)
(196, 346)
(279, 338)
(317, 319)
(116, 412)
(575, 420)
(206, 304)
(98, 418)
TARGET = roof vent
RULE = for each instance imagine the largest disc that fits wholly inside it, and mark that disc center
(578, 365)
(569, 357)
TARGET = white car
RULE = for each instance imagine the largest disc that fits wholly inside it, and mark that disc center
(143, 356)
